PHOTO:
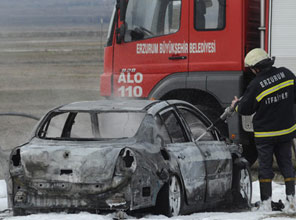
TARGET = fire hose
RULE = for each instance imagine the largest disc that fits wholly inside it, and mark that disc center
(228, 112)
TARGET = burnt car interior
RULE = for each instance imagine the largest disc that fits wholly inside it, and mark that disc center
(70, 125)
(196, 126)
(176, 132)
(90, 126)
(173, 127)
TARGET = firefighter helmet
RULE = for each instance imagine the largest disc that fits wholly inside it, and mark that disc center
(258, 58)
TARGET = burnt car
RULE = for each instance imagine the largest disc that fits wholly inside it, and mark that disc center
(126, 155)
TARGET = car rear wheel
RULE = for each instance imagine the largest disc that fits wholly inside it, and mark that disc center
(170, 198)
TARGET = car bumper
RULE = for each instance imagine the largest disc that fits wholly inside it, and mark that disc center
(35, 197)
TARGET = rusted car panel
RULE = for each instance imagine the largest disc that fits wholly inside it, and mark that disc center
(129, 156)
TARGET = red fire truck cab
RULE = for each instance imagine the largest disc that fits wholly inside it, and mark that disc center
(191, 50)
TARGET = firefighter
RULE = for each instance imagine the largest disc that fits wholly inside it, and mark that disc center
(270, 96)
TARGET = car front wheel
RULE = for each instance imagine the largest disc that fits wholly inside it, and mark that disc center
(245, 183)
(242, 187)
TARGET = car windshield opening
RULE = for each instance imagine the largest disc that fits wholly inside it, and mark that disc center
(90, 125)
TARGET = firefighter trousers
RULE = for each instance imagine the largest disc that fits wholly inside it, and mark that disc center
(283, 154)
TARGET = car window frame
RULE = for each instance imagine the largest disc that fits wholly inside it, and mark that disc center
(183, 127)
(67, 126)
(46, 120)
(158, 117)
(201, 117)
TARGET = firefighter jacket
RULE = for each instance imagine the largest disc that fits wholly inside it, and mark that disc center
(271, 96)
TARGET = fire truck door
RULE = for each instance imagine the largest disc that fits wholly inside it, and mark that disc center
(155, 45)
(215, 39)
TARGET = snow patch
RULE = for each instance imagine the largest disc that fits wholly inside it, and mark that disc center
(278, 193)
(3, 191)
(290, 205)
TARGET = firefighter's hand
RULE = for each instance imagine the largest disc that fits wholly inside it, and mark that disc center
(234, 101)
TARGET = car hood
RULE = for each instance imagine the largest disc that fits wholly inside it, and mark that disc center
(70, 161)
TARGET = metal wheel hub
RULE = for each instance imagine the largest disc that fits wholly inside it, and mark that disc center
(174, 196)
(245, 184)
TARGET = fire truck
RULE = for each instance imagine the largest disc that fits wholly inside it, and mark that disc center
(194, 50)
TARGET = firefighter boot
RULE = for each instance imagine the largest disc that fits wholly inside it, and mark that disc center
(265, 194)
(290, 188)
(265, 190)
(290, 192)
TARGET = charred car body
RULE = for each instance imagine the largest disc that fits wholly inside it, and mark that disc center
(126, 155)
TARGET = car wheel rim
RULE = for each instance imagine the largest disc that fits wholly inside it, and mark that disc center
(174, 196)
(245, 184)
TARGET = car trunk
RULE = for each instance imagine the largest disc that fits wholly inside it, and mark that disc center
(68, 161)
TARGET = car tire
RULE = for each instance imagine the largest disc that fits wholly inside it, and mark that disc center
(242, 191)
(246, 184)
(170, 198)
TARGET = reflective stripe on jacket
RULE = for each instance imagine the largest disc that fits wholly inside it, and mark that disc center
(271, 96)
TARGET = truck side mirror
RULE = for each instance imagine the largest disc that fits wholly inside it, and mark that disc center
(120, 32)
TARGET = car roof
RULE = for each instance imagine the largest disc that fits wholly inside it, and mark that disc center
(109, 105)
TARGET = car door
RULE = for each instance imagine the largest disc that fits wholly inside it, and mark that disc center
(188, 155)
(217, 157)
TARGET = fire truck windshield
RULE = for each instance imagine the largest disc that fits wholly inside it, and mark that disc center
(150, 18)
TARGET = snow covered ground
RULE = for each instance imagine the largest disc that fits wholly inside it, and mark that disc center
(278, 193)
